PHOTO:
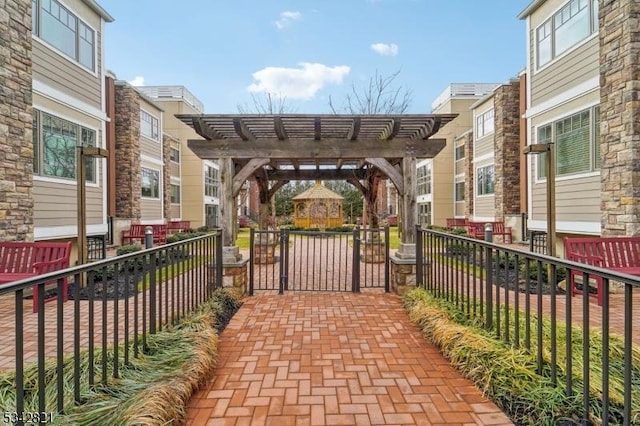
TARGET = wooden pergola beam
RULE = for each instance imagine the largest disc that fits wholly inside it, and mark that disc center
(391, 130)
(392, 172)
(278, 127)
(322, 174)
(306, 149)
(352, 135)
(242, 130)
(203, 129)
(246, 171)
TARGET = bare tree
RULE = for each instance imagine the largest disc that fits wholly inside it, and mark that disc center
(266, 103)
(379, 96)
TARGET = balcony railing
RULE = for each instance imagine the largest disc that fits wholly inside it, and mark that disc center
(516, 295)
(115, 304)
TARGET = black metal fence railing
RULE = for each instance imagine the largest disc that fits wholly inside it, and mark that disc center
(96, 247)
(538, 242)
(298, 260)
(112, 304)
(516, 295)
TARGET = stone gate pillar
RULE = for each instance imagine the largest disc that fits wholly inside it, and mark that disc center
(620, 116)
(16, 122)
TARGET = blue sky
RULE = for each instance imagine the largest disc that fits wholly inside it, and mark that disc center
(308, 50)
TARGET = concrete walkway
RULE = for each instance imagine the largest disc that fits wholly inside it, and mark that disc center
(334, 359)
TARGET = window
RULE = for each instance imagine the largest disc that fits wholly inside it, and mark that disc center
(56, 25)
(424, 179)
(175, 194)
(424, 214)
(174, 155)
(577, 140)
(149, 126)
(484, 124)
(150, 183)
(54, 147)
(574, 22)
(485, 179)
(211, 181)
(459, 152)
(459, 191)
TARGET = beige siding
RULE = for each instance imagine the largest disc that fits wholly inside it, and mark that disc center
(151, 209)
(484, 206)
(174, 169)
(55, 204)
(175, 211)
(575, 67)
(57, 71)
(150, 148)
(577, 200)
(459, 167)
(484, 145)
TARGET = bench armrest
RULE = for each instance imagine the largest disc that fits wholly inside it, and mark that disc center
(50, 265)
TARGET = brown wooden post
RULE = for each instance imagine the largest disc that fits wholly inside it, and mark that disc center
(409, 213)
(228, 208)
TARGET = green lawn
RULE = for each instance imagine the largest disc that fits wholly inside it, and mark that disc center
(243, 238)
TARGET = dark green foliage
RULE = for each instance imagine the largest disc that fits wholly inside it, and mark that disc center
(128, 249)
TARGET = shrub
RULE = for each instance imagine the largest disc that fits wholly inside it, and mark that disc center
(204, 228)
(128, 249)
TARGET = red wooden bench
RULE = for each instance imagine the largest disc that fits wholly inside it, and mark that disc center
(620, 254)
(476, 229)
(503, 231)
(27, 259)
(178, 226)
(136, 232)
(456, 222)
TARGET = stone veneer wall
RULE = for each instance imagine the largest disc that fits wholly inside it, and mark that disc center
(620, 116)
(166, 175)
(506, 101)
(128, 178)
(16, 122)
(468, 171)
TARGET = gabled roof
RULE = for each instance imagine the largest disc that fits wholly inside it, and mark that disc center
(318, 191)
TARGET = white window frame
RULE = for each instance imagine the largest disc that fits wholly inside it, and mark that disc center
(79, 28)
(424, 179)
(547, 31)
(479, 178)
(179, 193)
(594, 145)
(171, 156)
(39, 148)
(154, 124)
(211, 181)
(153, 171)
(485, 124)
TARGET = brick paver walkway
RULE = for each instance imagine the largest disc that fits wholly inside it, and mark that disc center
(334, 358)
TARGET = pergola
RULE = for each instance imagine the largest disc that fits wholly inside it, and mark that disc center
(360, 149)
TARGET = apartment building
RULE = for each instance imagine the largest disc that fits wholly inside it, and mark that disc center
(53, 99)
(581, 97)
(199, 181)
(139, 158)
(439, 182)
(493, 174)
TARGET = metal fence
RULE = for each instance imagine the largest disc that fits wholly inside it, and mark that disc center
(299, 260)
(112, 304)
(515, 294)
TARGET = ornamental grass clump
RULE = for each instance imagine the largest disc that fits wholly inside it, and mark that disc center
(508, 375)
(152, 389)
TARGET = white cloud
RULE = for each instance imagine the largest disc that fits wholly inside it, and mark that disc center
(137, 81)
(286, 18)
(297, 83)
(385, 49)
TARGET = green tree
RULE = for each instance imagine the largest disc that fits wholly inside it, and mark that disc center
(352, 204)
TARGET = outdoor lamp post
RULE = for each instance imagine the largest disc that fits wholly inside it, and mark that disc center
(82, 153)
(549, 148)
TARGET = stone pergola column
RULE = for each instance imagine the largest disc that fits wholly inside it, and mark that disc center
(620, 114)
(16, 123)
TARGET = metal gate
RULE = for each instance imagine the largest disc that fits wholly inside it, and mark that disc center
(288, 260)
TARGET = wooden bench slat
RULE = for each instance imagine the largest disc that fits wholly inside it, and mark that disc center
(621, 254)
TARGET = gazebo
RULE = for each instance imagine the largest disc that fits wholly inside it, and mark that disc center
(317, 207)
